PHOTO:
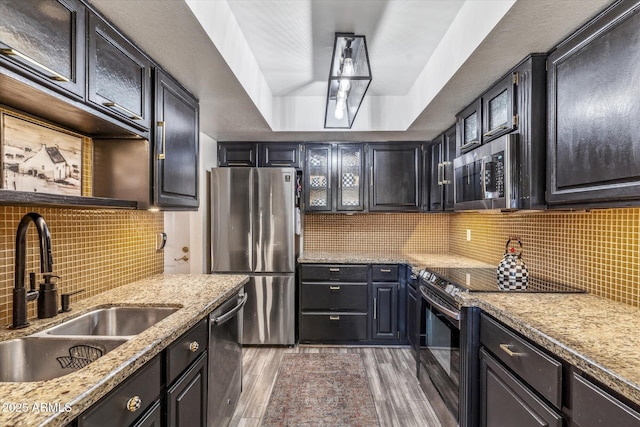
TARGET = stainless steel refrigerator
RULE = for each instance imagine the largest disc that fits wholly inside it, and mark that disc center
(253, 232)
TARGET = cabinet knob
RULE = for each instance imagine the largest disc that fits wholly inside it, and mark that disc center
(194, 346)
(134, 404)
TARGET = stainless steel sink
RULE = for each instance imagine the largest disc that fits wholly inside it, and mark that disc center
(112, 321)
(43, 358)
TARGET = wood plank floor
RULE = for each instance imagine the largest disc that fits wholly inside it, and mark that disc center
(397, 395)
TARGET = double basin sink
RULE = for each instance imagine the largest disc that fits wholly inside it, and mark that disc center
(67, 347)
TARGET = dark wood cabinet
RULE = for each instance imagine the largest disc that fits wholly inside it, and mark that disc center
(175, 144)
(152, 418)
(334, 177)
(238, 154)
(499, 114)
(333, 301)
(119, 75)
(593, 406)
(44, 40)
(187, 398)
(384, 324)
(440, 168)
(280, 155)
(506, 401)
(593, 144)
(469, 127)
(395, 182)
(127, 402)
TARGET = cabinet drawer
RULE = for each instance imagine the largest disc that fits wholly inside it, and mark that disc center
(384, 273)
(183, 351)
(340, 273)
(329, 327)
(593, 406)
(540, 371)
(144, 384)
(334, 296)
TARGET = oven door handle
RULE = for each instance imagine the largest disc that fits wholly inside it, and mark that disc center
(229, 314)
(444, 310)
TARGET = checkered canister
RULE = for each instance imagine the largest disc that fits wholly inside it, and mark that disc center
(513, 274)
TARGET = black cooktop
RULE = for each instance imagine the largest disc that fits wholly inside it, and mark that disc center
(486, 280)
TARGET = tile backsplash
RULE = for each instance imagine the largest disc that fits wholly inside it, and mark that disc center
(94, 250)
(598, 251)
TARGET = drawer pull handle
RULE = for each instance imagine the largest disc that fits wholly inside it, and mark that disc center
(334, 288)
(54, 75)
(194, 346)
(134, 404)
(385, 270)
(334, 317)
(506, 349)
(334, 270)
(131, 114)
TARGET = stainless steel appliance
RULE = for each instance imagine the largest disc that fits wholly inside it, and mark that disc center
(448, 358)
(253, 232)
(487, 177)
(225, 360)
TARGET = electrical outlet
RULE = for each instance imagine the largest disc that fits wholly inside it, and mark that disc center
(468, 234)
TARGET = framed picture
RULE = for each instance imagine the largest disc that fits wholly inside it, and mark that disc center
(37, 157)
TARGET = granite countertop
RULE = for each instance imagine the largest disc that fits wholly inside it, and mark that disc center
(196, 294)
(598, 335)
(417, 261)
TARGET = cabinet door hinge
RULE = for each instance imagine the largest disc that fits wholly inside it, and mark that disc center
(516, 77)
(515, 120)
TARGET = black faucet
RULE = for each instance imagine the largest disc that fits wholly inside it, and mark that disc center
(48, 291)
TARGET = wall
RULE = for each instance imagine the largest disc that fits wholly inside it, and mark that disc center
(94, 250)
(598, 251)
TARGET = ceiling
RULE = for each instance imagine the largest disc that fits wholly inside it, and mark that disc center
(260, 67)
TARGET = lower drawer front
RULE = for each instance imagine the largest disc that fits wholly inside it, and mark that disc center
(333, 327)
(119, 407)
(334, 296)
(540, 371)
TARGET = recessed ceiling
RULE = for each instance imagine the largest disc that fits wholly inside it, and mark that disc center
(260, 67)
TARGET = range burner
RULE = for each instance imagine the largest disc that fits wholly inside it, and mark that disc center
(452, 281)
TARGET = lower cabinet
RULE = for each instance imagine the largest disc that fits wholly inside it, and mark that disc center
(170, 390)
(350, 304)
(187, 398)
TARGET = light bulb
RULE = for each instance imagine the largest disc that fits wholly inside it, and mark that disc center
(347, 67)
(339, 113)
(341, 95)
(345, 85)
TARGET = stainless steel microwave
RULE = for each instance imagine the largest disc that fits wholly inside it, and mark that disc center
(487, 177)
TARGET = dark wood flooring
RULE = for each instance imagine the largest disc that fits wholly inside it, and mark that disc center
(397, 394)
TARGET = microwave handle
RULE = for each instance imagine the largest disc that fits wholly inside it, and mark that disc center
(483, 180)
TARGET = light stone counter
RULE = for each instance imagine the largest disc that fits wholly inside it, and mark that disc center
(197, 294)
(598, 335)
(417, 261)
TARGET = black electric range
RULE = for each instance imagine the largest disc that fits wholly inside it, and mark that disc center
(451, 281)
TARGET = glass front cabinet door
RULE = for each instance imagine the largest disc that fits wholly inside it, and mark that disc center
(499, 109)
(318, 178)
(350, 187)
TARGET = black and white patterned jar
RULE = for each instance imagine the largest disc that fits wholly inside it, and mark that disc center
(513, 274)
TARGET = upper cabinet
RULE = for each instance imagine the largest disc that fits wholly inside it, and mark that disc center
(395, 182)
(238, 154)
(333, 177)
(119, 75)
(44, 40)
(469, 125)
(280, 155)
(440, 168)
(498, 107)
(593, 146)
(176, 144)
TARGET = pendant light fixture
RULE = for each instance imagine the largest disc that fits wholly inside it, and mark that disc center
(349, 79)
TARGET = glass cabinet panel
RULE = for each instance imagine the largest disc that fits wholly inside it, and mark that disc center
(499, 108)
(318, 178)
(350, 180)
(469, 127)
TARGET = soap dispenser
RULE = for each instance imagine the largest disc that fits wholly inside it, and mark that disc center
(48, 298)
